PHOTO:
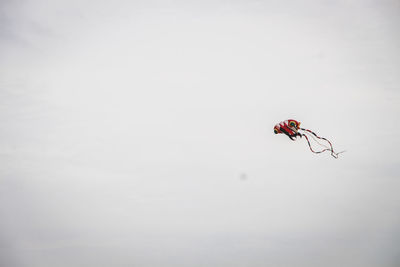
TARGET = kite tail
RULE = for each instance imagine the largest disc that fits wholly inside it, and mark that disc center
(333, 153)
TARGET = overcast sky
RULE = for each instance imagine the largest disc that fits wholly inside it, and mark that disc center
(140, 133)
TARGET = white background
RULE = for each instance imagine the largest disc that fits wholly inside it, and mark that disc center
(140, 133)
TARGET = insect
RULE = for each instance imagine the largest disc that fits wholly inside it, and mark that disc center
(292, 129)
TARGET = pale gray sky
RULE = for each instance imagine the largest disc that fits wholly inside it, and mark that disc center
(127, 126)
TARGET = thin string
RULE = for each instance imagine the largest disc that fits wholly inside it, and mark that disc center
(333, 153)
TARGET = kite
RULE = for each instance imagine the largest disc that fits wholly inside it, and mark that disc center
(292, 129)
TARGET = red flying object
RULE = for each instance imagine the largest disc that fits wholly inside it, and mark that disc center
(292, 129)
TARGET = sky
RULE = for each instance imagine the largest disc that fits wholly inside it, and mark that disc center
(140, 133)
